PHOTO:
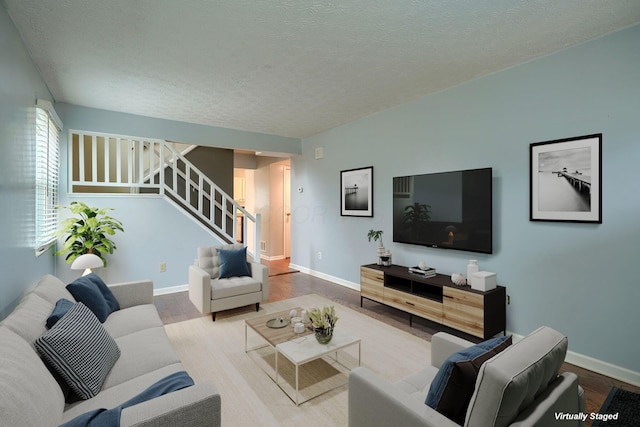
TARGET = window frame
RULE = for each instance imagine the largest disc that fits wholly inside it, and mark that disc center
(48, 127)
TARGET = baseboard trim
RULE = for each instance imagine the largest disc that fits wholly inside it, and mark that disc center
(595, 365)
(327, 277)
(170, 290)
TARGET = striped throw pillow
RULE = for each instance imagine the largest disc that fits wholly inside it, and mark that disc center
(80, 350)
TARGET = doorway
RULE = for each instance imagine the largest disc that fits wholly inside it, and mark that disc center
(287, 211)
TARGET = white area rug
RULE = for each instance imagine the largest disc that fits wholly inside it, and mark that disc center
(214, 351)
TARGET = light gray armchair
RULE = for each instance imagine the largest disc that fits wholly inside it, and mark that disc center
(519, 386)
(210, 294)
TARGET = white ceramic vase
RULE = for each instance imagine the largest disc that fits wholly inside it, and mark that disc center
(472, 267)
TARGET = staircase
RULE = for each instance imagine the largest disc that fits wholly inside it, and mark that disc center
(122, 165)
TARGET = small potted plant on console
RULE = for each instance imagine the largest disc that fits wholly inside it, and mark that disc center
(377, 235)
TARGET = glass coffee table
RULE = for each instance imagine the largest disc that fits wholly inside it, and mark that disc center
(324, 370)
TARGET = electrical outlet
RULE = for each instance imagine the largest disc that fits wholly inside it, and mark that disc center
(163, 267)
(319, 255)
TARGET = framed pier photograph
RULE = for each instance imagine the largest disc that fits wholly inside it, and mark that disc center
(566, 179)
(356, 192)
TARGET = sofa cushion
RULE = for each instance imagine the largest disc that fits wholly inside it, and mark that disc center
(80, 350)
(417, 384)
(208, 258)
(233, 286)
(451, 390)
(28, 393)
(511, 380)
(95, 294)
(28, 318)
(141, 352)
(233, 263)
(62, 306)
(133, 319)
(52, 289)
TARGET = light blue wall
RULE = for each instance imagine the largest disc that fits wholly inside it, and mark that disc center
(20, 85)
(579, 278)
(154, 231)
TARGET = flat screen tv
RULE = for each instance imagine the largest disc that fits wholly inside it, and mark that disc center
(449, 210)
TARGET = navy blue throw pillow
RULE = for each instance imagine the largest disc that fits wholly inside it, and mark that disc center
(233, 263)
(62, 306)
(453, 386)
(95, 294)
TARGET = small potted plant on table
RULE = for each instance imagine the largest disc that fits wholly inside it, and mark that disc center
(323, 321)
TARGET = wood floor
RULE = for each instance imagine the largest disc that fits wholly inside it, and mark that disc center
(286, 283)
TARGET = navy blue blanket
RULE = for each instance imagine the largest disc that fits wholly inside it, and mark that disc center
(111, 417)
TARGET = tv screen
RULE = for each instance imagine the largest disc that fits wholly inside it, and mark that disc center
(450, 210)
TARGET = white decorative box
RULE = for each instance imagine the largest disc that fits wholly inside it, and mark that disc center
(483, 281)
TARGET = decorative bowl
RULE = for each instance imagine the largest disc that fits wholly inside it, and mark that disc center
(458, 279)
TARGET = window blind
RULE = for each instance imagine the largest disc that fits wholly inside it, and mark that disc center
(47, 174)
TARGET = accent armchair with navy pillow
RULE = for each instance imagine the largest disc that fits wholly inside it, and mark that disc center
(222, 278)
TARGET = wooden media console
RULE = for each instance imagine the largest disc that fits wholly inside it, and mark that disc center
(481, 314)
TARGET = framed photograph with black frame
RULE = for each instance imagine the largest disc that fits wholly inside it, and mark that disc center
(566, 179)
(356, 192)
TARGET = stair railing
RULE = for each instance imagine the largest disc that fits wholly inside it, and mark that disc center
(115, 164)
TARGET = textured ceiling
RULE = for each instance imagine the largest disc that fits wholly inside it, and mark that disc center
(290, 68)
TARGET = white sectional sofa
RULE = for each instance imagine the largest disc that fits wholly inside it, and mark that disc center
(31, 396)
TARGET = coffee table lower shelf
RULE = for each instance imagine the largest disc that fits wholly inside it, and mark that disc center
(321, 360)
(307, 349)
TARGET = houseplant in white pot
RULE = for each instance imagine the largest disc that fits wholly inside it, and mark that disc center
(88, 232)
